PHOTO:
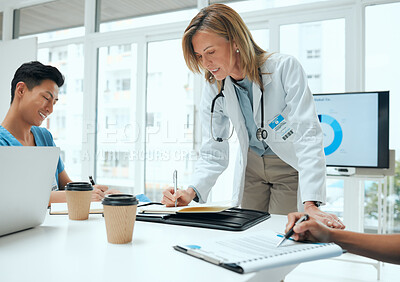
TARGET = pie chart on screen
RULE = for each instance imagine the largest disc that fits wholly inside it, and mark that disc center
(333, 134)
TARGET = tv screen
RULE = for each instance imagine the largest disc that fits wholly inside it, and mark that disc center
(355, 128)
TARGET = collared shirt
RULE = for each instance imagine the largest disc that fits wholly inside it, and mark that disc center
(244, 93)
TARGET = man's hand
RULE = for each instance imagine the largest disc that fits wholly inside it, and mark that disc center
(97, 194)
(328, 219)
(112, 191)
(103, 188)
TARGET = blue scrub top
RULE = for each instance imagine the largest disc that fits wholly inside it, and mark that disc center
(42, 137)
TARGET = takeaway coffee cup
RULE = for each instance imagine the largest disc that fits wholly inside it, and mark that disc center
(79, 195)
(120, 216)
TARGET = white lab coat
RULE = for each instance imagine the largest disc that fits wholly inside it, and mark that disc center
(286, 93)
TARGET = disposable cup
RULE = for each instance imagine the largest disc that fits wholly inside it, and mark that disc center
(120, 216)
(79, 195)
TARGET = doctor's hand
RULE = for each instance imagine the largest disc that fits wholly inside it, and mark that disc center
(184, 197)
(311, 229)
(328, 219)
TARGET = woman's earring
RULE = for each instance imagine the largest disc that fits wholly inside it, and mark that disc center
(237, 50)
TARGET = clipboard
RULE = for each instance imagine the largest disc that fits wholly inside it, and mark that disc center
(255, 251)
(233, 219)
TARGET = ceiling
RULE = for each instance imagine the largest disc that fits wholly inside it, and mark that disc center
(63, 14)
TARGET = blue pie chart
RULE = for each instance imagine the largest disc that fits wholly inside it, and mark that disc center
(337, 131)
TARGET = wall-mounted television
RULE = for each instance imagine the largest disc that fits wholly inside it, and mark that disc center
(355, 127)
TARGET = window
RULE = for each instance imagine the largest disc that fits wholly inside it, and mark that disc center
(381, 63)
(48, 21)
(170, 121)
(334, 197)
(65, 123)
(116, 115)
(261, 37)
(79, 86)
(319, 46)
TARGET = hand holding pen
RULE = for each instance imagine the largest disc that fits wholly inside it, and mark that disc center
(99, 191)
(309, 230)
(172, 196)
(290, 232)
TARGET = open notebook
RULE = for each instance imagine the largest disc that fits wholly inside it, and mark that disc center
(256, 251)
(97, 207)
(197, 208)
(62, 208)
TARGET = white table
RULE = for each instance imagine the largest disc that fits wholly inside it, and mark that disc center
(65, 250)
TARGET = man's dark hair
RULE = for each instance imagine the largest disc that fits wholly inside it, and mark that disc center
(33, 74)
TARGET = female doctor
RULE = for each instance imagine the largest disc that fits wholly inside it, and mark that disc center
(281, 164)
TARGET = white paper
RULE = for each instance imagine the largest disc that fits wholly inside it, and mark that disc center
(63, 207)
(172, 210)
(257, 250)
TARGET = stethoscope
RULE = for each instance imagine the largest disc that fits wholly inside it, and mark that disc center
(261, 133)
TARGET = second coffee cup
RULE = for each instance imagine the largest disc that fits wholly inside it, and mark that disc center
(120, 216)
(79, 195)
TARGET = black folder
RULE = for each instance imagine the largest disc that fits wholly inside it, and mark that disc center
(233, 219)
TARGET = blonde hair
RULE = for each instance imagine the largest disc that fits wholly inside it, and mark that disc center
(225, 22)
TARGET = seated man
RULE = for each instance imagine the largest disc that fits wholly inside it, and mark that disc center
(34, 92)
(384, 247)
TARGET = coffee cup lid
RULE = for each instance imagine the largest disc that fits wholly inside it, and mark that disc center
(120, 200)
(78, 186)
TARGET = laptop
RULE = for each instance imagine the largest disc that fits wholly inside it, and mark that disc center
(27, 175)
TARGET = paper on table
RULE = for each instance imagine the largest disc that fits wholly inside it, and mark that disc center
(257, 250)
(62, 208)
(198, 208)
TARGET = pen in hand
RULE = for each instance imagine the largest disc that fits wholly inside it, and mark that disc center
(91, 180)
(291, 232)
(175, 180)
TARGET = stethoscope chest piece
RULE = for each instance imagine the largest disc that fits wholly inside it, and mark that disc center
(261, 134)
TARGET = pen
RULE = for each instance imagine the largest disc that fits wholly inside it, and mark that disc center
(91, 180)
(290, 232)
(175, 179)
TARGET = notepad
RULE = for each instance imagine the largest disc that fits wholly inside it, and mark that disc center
(199, 208)
(62, 208)
(256, 251)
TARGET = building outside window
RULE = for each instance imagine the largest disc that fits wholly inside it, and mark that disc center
(116, 117)
(170, 125)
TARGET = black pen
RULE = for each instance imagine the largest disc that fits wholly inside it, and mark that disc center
(290, 232)
(91, 180)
